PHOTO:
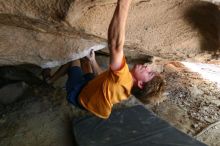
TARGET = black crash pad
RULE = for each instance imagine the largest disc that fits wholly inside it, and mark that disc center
(135, 126)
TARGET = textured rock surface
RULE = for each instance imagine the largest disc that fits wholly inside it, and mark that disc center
(54, 10)
(33, 32)
(20, 45)
(213, 1)
(50, 33)
(170, 29)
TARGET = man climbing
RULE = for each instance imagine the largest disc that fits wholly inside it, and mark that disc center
(98, 94)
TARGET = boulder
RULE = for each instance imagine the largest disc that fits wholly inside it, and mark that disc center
(51, 33)
(11, 92)
(11, 74)
(44, 48)
(171, 29)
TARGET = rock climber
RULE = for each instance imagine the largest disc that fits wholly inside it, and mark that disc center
(96, 91)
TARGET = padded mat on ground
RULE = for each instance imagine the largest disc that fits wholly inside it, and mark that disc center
(135, 126)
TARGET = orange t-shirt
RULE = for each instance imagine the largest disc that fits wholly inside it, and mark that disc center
(108, 88)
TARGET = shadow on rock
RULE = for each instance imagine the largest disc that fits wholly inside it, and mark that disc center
(205, 17)
(12, 74)
(16, 81)
(11, 92)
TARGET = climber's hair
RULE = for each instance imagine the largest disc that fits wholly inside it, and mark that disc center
(152, 90)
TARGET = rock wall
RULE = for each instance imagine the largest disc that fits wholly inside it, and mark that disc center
(50, 33)
(174, 29)
(43, 49)
(53, 10)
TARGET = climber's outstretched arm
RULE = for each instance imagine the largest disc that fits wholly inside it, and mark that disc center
(116, 33)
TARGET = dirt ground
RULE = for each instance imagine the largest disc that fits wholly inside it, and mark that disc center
(43, 116)
(192, 105)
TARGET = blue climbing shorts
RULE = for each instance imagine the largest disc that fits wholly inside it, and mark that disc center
(75, 83)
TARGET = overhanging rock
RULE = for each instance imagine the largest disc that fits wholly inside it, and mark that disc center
(46, 49)
(172, 29)
(44, 33)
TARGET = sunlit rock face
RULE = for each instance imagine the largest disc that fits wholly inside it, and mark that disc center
(52, 32)
(213, 1)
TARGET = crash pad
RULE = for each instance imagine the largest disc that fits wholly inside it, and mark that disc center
(134, 126)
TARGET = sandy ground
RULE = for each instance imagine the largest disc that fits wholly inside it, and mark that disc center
(37, 120)
(192, 104)
(43, 116)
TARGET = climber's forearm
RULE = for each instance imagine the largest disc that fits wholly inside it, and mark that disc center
(96, 68)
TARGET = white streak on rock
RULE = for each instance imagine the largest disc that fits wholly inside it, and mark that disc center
(74, 56)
